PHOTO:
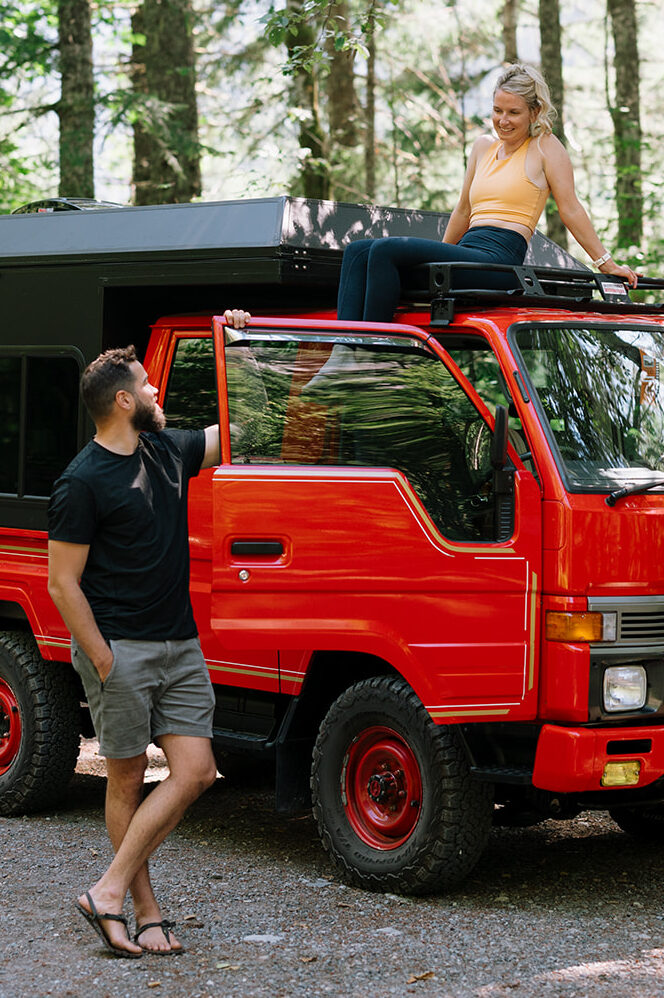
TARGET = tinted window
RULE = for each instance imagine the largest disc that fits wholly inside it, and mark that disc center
(52, 420)
(10, 414)
(191, 397)
(384, 404)
(39, 422)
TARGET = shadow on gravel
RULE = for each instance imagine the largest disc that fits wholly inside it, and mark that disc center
(555, 862)
(236, 814)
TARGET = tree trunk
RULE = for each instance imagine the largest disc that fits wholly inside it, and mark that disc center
(340, 89)
(166, 148)
(314, 178)
(76, 107)
(510, 18)
(552, 68)
(625, 113)
(370, 109)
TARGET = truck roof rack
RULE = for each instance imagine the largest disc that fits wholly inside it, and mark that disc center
(449, 287)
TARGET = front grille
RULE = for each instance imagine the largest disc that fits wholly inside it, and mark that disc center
(640, 618)
(639, 627)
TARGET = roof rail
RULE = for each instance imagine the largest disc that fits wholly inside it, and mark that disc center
(450, 286)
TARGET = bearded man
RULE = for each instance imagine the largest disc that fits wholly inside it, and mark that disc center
(119, 575)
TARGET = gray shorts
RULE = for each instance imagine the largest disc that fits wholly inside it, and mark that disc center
(154, 688)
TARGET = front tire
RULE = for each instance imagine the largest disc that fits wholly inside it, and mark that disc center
(39, 726)
(396, 806)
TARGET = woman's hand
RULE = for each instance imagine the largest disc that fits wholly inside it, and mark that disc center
(621, 270)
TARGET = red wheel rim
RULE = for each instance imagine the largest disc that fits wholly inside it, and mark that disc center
(381, 788)
(10, 726)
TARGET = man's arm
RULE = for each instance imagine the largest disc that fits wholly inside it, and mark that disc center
(65, 567)
(212, 455)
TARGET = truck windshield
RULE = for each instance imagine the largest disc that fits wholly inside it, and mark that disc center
(600, 393)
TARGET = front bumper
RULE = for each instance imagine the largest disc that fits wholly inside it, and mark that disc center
(572, 760)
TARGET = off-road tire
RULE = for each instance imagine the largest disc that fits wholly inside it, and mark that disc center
(454, 817)
(645, 823)
(47, 704)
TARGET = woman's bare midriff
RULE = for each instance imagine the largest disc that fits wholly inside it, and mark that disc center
(523, 230)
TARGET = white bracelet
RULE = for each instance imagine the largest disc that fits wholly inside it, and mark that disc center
(601, 259)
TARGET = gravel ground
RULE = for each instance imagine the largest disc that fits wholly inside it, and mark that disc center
(559, 909)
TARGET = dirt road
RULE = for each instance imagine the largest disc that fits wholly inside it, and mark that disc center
(560, 909)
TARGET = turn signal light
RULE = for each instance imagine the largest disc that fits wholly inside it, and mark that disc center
(621, 774)
(584, 626)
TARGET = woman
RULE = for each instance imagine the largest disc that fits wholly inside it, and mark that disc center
(506, 186)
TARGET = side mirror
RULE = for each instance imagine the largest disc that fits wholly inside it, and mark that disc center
(499, 439)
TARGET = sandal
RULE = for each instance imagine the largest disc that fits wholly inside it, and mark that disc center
(95, 920)
(165, 927)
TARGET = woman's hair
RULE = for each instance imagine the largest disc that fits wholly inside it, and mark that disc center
(527, 82)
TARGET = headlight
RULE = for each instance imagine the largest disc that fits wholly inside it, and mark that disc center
(625, 687)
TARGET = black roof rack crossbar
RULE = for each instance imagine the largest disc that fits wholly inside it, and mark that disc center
(446, 285)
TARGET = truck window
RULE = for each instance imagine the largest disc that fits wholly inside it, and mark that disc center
(191, 394)
(39, 407)
(475, 358)
(599, 391)
(384, 404)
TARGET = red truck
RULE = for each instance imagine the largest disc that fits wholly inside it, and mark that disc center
(427, 573)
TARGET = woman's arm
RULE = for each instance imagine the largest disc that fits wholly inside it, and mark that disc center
(460, 217)
(560, 178)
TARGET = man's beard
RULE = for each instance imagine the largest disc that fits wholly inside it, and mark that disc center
(149, 418)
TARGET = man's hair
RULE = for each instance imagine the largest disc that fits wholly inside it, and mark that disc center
(105, 376)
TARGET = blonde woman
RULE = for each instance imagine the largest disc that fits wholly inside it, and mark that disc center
(507, 183)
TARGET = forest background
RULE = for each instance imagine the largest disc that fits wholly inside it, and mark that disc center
(355, 100)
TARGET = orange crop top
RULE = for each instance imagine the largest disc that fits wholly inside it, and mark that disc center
(502, 190)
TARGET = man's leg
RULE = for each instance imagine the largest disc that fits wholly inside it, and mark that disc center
(124, 795)
(192, 770)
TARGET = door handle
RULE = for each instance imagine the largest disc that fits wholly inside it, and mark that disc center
(252, 548)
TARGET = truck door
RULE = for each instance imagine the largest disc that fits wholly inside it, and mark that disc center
(355, 512)
(190, 402)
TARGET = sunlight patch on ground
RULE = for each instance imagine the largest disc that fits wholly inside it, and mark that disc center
(645, 968)
(92, 764)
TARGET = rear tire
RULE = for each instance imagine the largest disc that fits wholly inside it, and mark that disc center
(396, 806)
(645, 823)
(39, 726)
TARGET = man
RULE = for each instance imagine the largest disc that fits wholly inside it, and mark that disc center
(119, 575)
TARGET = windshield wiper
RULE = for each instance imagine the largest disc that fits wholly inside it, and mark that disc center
(632, 490)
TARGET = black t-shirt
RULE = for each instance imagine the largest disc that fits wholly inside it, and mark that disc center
(132, 511)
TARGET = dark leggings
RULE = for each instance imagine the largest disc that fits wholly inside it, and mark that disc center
(370, 283)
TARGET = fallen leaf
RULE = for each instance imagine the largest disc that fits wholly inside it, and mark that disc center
(154, 984)
(193, 922)
(222, 966)
(343, 904)
(426, 976)
(308, 959)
